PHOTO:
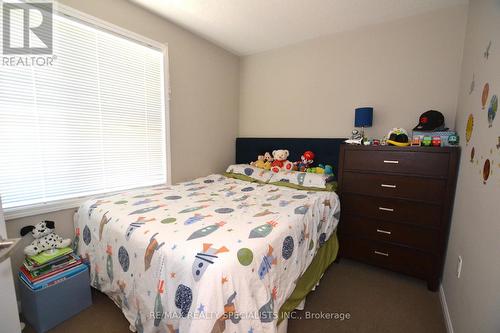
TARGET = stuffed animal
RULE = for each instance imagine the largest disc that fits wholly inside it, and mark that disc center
(263, 161)
(281, 161)
(269, 160)
(328, 170)
(306, 160)
(323, 169)
(260, 163)
(45, 238)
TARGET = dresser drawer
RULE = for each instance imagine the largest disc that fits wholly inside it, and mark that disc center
(394, 210)
(407, 235)
(422, 163)
(386, 255)
(404, 187)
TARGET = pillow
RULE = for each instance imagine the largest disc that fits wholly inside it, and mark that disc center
(329, 187)
(250, 171)
(305, 179)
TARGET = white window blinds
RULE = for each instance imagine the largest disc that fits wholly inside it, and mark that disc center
(93, 122)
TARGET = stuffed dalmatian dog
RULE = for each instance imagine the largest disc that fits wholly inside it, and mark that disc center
(45, 238)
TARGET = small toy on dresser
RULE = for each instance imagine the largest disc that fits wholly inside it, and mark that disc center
(356, 138)
(45, 238)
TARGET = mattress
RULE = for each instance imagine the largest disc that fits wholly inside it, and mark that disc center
(210, 255)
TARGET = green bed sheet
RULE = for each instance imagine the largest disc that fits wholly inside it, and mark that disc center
(324, 258)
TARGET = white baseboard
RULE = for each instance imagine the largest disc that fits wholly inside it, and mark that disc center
(446, 313)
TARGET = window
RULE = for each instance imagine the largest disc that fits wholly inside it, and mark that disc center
(93, 122)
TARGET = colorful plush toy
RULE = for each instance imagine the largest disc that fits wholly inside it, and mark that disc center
(260, 163)
(281, 161)
(306, 160)
(268, 161)
(263, 161)
(328, 170)
(321, 169)
(45, 238)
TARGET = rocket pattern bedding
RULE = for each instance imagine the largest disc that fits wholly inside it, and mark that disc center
(212, 255)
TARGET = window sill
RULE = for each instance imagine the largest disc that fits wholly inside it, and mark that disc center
(42, 208)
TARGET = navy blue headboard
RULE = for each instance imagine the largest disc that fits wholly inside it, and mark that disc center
(326, 150)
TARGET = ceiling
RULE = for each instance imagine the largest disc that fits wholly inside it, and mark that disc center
(251, 26)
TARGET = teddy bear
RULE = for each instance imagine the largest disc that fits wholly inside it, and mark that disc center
(45, 238)
(281, 161)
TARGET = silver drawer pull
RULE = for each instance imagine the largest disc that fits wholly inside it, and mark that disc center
(380, 231)
(391, 161)
(386, 209)
(385, 254)
(388, 185)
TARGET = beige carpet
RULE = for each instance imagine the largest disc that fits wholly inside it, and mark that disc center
(376, 300)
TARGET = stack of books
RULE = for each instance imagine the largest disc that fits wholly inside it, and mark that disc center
(50, 267)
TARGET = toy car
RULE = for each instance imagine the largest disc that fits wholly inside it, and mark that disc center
(426, 141)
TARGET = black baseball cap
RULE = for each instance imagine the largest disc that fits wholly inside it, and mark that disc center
(430, 121)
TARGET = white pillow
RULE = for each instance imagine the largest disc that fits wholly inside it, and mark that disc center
(251, 171)
(306, 179)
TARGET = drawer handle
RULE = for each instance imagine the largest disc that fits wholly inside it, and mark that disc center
(391, 161)
(380, 231)
(386, 209)
(388, 185)
(385, 254)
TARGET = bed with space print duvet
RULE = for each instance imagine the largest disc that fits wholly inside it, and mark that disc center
(216, 254)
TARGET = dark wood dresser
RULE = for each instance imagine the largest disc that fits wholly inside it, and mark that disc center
(396, 206)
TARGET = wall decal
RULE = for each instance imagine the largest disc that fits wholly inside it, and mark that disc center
(492, 110)
(486, 170)
(472, 84)
(472, 153)
(484, 97)
(469, 128)
(486, 53)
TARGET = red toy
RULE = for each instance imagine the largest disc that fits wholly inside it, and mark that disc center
(436, 141)
(306, 160)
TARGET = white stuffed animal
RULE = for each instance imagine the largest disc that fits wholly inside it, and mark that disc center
(281, 161)
(45, 238)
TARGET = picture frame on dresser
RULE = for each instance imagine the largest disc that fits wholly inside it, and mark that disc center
(396, 207)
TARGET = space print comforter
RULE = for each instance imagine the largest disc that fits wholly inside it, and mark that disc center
(212, 255)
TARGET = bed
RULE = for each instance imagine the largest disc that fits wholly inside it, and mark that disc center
(213, 254)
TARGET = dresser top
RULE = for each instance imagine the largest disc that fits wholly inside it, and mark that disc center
(402, 149)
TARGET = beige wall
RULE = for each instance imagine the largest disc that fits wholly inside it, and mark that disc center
(474, 299)
(402, 68)
(204, 80)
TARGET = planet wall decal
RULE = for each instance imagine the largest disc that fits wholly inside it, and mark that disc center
(469, 128)
(486, 170)
(484, 96)
(492, 110)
